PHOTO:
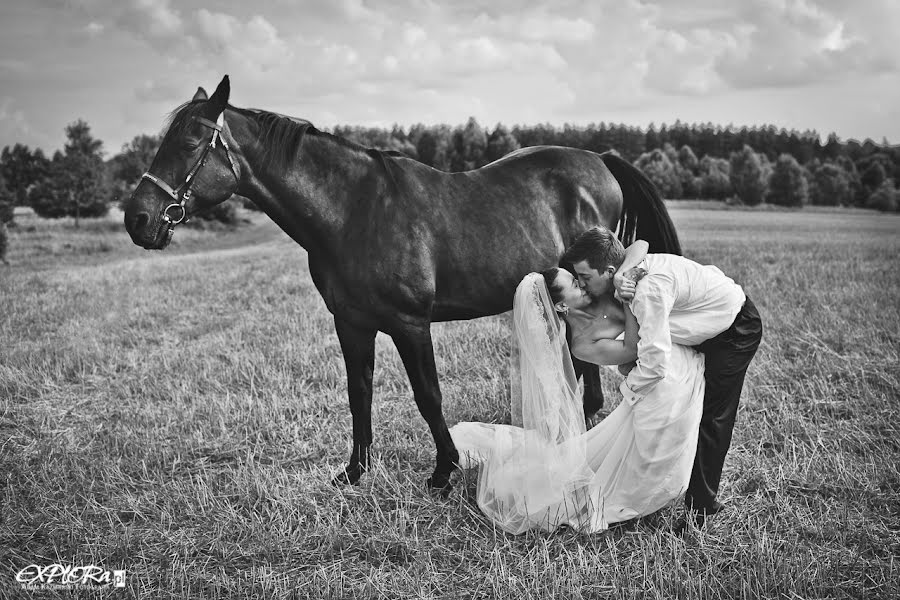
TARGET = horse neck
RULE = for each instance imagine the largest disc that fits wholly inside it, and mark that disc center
(312, 197)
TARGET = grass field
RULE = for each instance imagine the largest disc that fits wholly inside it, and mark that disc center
(179, 415)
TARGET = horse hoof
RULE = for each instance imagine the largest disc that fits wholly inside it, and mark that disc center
(440, 485)
(349, 475)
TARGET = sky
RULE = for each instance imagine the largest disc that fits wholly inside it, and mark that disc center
(123, 65)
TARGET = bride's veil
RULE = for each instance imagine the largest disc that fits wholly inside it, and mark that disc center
(544, 389)
(537, 474)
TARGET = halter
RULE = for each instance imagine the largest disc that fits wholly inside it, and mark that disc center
(183, 192)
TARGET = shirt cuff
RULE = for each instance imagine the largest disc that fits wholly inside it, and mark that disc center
(628, 394)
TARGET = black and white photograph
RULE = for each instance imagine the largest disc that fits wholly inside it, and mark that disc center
(428, 299)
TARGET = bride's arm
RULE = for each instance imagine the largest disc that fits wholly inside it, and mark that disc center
(603, 352)
(610, 352)
(624, 279)
(634, 254)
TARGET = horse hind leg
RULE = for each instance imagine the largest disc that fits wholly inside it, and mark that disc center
(417, 352)
(593, 387)
(358, 347)
(592, 398)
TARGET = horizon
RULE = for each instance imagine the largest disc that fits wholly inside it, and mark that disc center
(799, 65)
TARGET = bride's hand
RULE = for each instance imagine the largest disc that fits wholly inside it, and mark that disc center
(626, 281)
(624, 290)
(626, 368)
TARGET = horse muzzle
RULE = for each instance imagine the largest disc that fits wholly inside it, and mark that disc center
(148, 233)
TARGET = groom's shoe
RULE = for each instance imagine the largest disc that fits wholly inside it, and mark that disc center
(698, 517)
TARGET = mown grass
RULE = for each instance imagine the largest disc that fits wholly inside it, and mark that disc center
(180, 415)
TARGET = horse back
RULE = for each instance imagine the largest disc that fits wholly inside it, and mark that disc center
(467, 239)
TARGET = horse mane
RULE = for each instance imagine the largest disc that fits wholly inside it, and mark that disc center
(281, 136)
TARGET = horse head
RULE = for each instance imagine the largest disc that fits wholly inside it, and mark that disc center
(192, 170)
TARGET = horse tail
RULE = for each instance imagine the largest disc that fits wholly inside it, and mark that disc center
(644, 215)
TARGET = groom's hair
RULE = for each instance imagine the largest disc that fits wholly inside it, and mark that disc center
(598, 246)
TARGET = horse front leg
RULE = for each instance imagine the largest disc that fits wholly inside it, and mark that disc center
(358, 347)
(417, 353)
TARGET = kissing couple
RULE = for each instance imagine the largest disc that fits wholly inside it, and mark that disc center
(682, 333)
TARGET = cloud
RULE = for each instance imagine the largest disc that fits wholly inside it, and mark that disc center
(153, 21)
(159, 91)
(356, 10)
(13, 123)
(787, 43)
(252, 44)
(685, 63)
(573, 60)
(472, 55)
(13, 65)
(159, 17)
(413, 35)
(93, 28)
(537, 25)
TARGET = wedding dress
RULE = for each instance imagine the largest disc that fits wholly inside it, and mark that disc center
(550, 471)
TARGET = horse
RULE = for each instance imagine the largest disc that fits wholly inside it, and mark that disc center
(393, 244)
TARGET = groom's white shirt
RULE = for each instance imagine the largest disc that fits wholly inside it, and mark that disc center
(678, 301)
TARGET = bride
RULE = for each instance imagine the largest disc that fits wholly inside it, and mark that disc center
(550, 471)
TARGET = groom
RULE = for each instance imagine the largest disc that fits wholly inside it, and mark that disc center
(686, 303)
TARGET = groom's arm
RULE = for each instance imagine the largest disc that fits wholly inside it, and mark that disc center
(651, 308)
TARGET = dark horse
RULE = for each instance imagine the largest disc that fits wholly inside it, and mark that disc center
(393, 244)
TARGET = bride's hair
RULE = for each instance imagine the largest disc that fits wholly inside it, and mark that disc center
(550, 281)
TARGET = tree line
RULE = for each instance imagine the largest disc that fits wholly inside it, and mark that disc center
(749, 165)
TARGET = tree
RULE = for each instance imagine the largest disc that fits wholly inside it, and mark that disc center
(73, 185)
(873, 176)
(833, 147)
(688, 160)
(658, 167)
(469, 145)
(715, 182)
(747, 176)
(6, 216)
(857, 191)
(885, 198)
(127, 167)
(500, 143)
(831, 186)
(433, 146)
(651, 139)
(22, 168)
(687, 168)
(4, 243)
(7, 202)
(787, 185)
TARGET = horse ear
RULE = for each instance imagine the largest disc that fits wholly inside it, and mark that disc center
(219, 99)
(200, 95)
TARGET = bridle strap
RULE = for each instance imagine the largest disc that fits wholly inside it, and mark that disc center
(217, 134)
(161, 184)
(181, 197)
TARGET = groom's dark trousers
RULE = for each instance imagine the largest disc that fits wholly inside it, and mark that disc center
(727, 357)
